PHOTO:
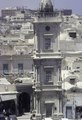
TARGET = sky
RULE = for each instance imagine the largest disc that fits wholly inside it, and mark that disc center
(75, 5)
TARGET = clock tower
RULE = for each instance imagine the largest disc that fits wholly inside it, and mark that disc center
(47, 62)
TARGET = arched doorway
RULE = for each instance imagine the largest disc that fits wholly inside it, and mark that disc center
(24, 103)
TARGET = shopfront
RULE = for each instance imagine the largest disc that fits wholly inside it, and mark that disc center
(8, 104)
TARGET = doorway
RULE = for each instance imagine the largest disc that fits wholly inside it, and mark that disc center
(48, 110)
(24, 103)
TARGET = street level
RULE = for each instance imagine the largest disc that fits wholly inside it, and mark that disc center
(26, 116)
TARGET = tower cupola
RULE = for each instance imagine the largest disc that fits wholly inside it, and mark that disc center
(46, 6)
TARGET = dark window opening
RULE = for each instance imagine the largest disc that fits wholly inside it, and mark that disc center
(67, 68)
(48, 76)
(47, 43)
(78, 67)
(5, 69)
(20, 68)
(18, 27)
(67, 18)
(72, 34)
(8, 107)
(22, 11)
(72, 81)
(78, 112)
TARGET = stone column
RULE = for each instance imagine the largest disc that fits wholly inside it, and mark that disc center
(16, 106)
(31, 102)
(11, 66)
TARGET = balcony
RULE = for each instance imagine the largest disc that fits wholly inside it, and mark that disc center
(25, 77)
(16, 52)
(17, 49)
(48, 19)
(47, 55)
(52, 17)
(7, 88)
(40, 88)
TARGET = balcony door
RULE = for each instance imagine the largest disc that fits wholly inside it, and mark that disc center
(5, 69)
(69, 112)
(20, 68)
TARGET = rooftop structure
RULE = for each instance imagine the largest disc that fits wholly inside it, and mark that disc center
(46, 6)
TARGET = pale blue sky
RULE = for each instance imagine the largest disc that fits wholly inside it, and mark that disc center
(75, 5)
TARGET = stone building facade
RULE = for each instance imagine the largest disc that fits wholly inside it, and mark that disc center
(41, 58)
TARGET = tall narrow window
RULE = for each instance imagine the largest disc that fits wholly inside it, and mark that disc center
(5, 69)
(69, 112)
(48, 44)
(48, 110)
(48, 75)
(20, 68)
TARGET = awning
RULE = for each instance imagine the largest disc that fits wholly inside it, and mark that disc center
(7, 97)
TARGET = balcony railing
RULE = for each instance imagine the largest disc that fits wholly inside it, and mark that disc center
(38, 55)
(41, 87)
(16, 52)
(16, 73)
(48, 17)
(7, 88)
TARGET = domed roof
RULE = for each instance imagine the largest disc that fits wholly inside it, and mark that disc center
(46, 4)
